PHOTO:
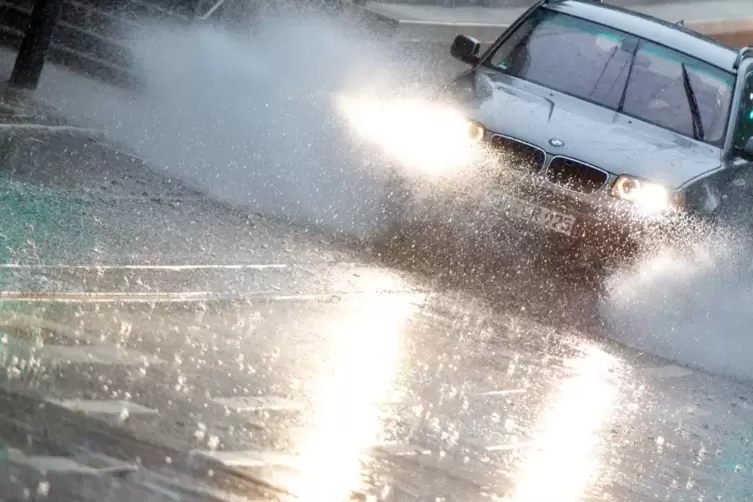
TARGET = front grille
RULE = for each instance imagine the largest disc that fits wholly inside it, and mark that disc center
(575, 176)
(517, 155)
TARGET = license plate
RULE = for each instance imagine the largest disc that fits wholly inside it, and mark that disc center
(533, 213)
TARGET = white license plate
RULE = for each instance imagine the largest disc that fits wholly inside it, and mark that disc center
(532, 213)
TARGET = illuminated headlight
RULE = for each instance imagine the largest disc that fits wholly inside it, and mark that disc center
(475, 131)
(648, 197)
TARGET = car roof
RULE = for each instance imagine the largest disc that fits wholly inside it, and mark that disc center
(656, 30)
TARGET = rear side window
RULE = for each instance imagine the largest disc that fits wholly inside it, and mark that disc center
(657, 92)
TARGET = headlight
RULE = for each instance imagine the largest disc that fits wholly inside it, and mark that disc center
(475, 131)
(648, 197)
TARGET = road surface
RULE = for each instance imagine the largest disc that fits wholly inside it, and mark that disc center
(183, 350)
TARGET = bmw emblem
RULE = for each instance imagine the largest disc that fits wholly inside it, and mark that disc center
(556, 142)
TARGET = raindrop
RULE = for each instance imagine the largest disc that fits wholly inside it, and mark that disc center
(43, 489)
(213, 442)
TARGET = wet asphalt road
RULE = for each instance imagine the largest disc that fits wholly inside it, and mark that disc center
(182, 346)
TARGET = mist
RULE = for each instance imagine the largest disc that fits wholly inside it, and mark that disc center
(250, 118)
(691, 307)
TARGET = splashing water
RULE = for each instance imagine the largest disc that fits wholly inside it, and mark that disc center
(254, 120)
(692, 307)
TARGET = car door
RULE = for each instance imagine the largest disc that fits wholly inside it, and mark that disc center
(743, 127)
(735, 182)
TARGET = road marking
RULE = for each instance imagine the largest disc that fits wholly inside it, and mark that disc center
(97, 268)
(511, 446)
(243, 404)
(507, 392)
(666, 372)
(28, 126)
(46, 464)
(251, 458)
(398, 449)
(115, 295)
(95, 354)
(189, 296)
(104, 407)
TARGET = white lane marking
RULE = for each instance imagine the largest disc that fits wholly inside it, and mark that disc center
(259, 403)
(506, 392)
(28, 126)
(671, 371)
(212, 9)
(104, 407)
(511, 446)
(398, 449)
(46, 464)
(104, 463)
(252, 458)
(106, 295)
(94, 354)
(335, 296)
(190, 296)
(96, 268)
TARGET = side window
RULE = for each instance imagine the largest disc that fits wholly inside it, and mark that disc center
(744, 124)
(656, 92)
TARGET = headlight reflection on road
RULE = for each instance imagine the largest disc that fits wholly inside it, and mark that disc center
(566, 460)
(434, 139)
(356, 370)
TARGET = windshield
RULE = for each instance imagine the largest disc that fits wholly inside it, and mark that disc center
(620, 72)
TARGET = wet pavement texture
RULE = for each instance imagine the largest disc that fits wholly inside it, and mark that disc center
(192, 351)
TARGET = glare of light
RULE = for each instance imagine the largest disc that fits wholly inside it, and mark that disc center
(566, 460)
(653, 198)
(356, 371)
(432, 138)
(649, 198)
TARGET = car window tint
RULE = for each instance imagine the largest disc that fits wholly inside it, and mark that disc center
(564, 53)
(656, 92)
(744, 126)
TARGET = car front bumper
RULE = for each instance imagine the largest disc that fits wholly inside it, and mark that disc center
(596, 223)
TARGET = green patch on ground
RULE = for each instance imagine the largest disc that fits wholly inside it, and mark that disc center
(40, 224)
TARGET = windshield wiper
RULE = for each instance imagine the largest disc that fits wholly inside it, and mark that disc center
(693, 104)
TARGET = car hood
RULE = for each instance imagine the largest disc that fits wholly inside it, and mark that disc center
(590, 133)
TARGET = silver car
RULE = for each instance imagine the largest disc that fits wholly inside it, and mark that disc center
(618, 125)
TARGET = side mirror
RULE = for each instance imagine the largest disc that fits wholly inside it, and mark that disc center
(748, 148)
(466, 49)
